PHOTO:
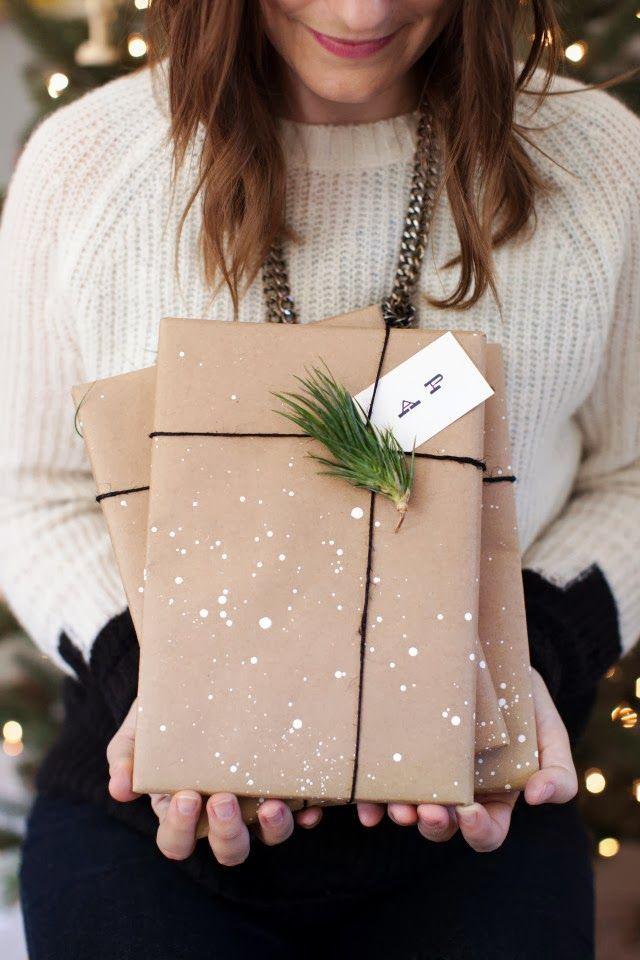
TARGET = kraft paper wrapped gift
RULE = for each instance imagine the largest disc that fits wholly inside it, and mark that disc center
(116, 418)
(253, 675)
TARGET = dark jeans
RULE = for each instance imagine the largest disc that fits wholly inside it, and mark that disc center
(94, 889)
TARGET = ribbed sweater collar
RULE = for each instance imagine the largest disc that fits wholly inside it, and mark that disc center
(351, 145)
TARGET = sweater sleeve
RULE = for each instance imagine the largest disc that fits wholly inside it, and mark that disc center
(57, 569)
(582, 576)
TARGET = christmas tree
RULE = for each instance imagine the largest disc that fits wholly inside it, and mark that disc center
(80, 44)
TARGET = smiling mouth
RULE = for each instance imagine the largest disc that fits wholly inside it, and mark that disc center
(352, 49)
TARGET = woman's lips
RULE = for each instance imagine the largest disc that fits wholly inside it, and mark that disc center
(349, 49)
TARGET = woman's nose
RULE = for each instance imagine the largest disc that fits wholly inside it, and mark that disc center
(363, 19)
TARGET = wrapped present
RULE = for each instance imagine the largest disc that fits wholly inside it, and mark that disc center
(115, 416)
(294, 644)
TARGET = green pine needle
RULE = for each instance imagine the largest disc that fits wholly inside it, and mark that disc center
(363, 455)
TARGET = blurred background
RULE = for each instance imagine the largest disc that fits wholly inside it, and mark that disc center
(52, 51)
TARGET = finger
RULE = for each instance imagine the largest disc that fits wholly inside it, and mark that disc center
(120, 758)
(275, 822)
(404, 814)
(556, 781)
(436, 823)
(228, 834)
(160, 804)
(370, 814)
(309, 817)
(485, 826)
(176, 836)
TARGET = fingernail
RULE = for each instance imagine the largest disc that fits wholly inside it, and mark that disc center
(435, 823)
(276, 817)
(468, 815)
(225, 809)
(547, 793)
(186, 806)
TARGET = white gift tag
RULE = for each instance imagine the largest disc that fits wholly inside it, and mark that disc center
(427, 392)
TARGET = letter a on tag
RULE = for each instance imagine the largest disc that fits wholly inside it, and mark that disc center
(427, 392)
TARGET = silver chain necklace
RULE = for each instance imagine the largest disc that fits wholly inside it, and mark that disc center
(398, 309)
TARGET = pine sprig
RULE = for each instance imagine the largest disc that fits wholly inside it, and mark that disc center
(363, 455)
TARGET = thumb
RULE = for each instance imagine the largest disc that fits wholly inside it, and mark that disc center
(556, 780)
(120, 758)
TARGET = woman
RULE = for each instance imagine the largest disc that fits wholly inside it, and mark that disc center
(295, 121)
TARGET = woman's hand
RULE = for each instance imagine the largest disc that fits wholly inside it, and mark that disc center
(485, 824)
(179, 814)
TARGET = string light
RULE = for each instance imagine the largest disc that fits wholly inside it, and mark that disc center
(142, 4)
(608, 847)
(627, 717)
(575, 52)
(638, 687)
(137, 45)
(594, 781)
(610, 674)
(56, 84)
(12, 731)
(636, 790)
(12, 743)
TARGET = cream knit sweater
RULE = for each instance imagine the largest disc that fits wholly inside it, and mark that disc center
(87, 270)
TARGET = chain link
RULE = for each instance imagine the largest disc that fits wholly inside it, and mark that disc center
(398, 309)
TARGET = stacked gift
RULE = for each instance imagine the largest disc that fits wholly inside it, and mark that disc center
(292, 643)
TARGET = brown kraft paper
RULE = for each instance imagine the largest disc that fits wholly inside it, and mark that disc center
(255, 585)
(503, 623)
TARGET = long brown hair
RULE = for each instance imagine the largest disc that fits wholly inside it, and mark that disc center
(221, 78)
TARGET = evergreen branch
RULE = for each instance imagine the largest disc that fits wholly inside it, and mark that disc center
(362, 454)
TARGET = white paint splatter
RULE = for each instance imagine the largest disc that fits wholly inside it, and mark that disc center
(357, 513)
(204, 613)
(397, 757)
(455, 720)
(265, 622)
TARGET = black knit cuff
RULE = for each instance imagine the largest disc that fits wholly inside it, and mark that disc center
(574, 635)
(112, 672)
(114, 661)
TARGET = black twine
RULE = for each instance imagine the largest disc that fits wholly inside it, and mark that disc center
(119, 493)
(508, 478)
